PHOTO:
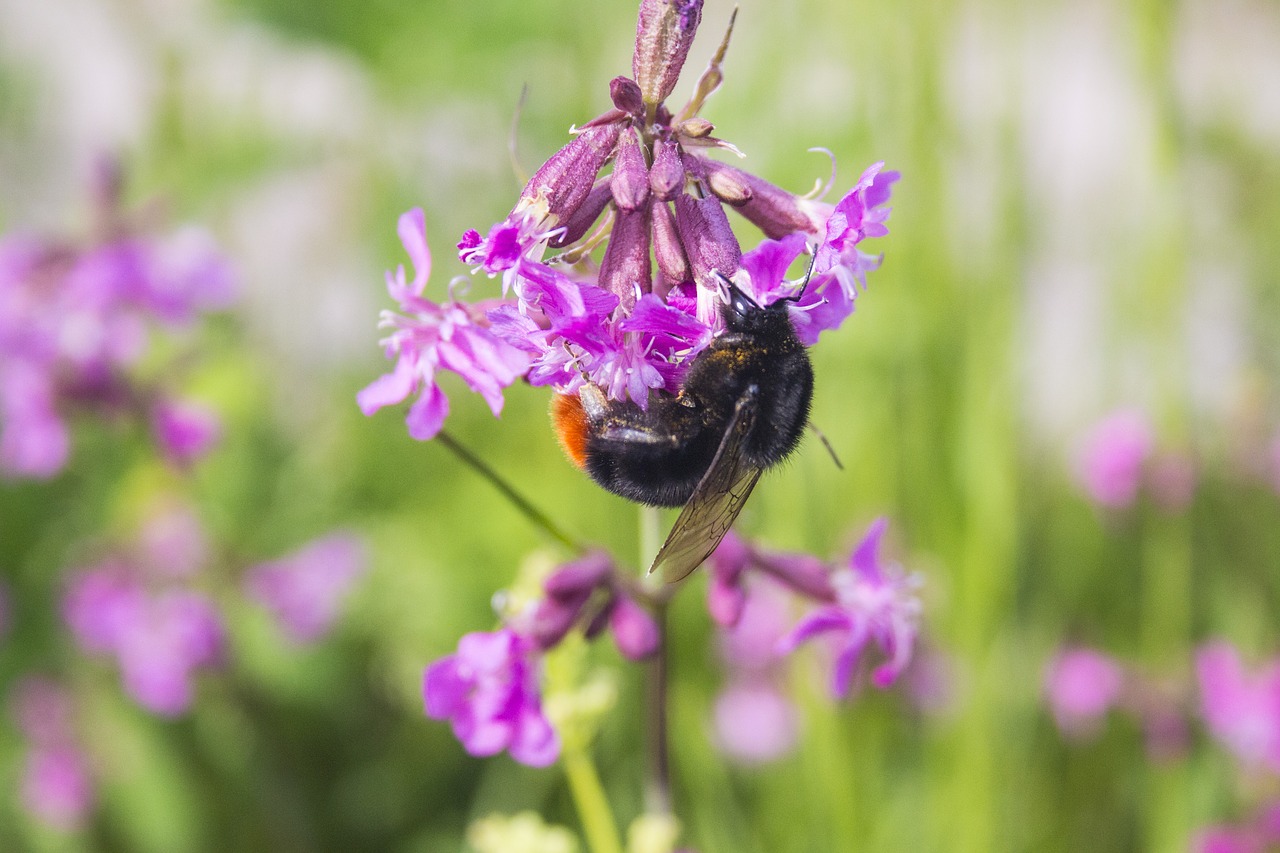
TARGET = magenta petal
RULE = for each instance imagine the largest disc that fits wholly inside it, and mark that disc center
(443, 690)
(426, 416)
(535, 742)
(819, 621)
(865, 559)
(412, 228)
(388, 389)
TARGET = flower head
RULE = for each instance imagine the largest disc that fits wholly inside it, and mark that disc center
(489, 691)
(875, 603)
(1081, 685)
(305, 590)
(1241, 710)
(1111, 461)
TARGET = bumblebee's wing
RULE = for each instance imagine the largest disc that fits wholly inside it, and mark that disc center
(715, 503)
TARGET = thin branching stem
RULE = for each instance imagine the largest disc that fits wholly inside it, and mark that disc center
(519, 501)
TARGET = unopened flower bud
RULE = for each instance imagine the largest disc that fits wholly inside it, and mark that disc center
(634, 631)
(563, 183)
(667, 250)
(696, 128)
(666, 175)
(708, 241)
(770, 208)
(553, 619)
(581, 220)
(664, 32)
(626, 96)
(729, 188)
(625, 270)
(581, 576)
(630, 184)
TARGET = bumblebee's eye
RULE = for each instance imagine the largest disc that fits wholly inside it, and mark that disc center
(741, 304)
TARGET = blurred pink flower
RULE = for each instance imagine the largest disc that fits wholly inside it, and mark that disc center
(305, 590)
(1112, 457)
(1081, 685)
(159, 639)
(185, 430)
(1241, 710)
(56, 786)
(755, 722)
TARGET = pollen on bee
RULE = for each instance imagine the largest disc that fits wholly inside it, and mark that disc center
(571, 425)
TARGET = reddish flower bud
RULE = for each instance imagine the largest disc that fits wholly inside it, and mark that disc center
(729, 188)
(708, 241)
(581, 220)
(625, 270)
(664, 32)
(667, 250)
(666, 176)
(630, 176)
(563, 183)
(770, 208)
(634, 630)
(626, 96)
(580, 577)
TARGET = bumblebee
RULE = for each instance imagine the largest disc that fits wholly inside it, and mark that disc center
(742, 408)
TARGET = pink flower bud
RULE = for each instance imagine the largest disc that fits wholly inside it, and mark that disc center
(664, 32)
(634, 630)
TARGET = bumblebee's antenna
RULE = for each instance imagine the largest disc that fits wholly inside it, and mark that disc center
(803, 281)
(823, 438)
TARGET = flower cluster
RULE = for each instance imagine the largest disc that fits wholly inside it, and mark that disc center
(490, 691)
(74, 324)
(623, 325)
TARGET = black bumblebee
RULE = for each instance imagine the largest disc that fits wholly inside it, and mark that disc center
(742, 408)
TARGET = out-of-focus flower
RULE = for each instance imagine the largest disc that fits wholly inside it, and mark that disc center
(489, 691)
(305, 590)
(430, 337)
(185, 430)
(158, 638)
(1172, 481)
(1257, 834)
(1081, 685)
(874, 604)
(520, 833)
(75, 320)
(57, 786)
(1110, 462)
(755, 721)
(1241, 710)
(588, 593)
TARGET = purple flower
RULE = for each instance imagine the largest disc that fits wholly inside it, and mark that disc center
(874, 604)
(1081, 685)
(429, 337)
(489, 691)
(1241, 710)
(305, 590)
(185, 430)
(755, 722)
(34, 442)
(56, 786)
(159, 639)
(1111, 461)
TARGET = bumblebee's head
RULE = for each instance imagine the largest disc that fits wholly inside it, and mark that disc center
(743, 314)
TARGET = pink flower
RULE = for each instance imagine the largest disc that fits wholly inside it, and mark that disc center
(305, 590)
(489, 691)
(185, 430)
(1111, 461)
(755, 722)
(158, 638)
(430, 337)
(874, 604)
(1081, 685)
(1241, 710)
(56, 786)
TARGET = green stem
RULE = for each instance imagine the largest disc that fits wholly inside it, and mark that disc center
(531, 512)
(592, 804)
(658, 788)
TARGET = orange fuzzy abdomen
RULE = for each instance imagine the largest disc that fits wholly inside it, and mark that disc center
(571, 425)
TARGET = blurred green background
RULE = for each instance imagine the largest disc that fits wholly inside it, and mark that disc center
(1087, 219)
